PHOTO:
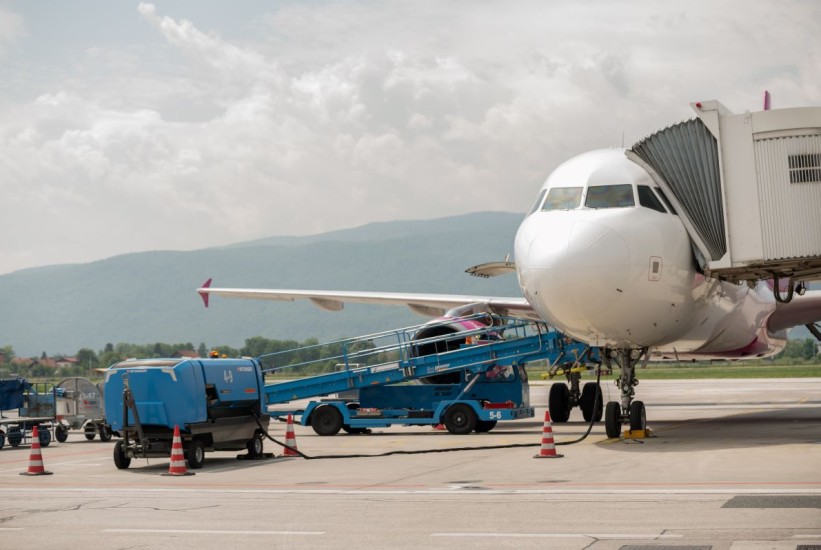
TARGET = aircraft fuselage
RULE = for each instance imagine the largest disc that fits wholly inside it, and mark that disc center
(604, 258)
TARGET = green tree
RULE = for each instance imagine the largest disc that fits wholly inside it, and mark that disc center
(8, 352)
(87, 359)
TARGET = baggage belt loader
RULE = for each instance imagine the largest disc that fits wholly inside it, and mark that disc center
(474, 378)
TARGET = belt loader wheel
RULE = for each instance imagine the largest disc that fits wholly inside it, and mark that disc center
(44, 436)
(460, 419)
(121, 460)
(2, 439)
(483, 426)
(326, 420)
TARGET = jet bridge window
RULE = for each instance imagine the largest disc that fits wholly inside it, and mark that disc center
(648, 199)
(610, 196)
(563, 198)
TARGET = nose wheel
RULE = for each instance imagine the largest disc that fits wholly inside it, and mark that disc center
(628, 411)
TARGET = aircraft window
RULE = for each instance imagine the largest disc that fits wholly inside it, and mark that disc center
(610, 196)
(538, 202)
(665, 201)
(649, 200)
(563, 198)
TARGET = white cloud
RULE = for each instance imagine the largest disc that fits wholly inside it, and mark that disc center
(332, 114)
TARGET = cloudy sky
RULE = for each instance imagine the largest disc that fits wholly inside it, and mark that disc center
(128, 126)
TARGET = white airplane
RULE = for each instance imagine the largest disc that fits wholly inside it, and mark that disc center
(604, 257)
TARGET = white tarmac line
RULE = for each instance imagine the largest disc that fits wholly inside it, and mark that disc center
(598, 536)
(427, 492)
(211, 532)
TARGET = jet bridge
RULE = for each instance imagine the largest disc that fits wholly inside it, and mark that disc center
(747, 187)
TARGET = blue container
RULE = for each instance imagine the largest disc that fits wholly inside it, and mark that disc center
(183, 392)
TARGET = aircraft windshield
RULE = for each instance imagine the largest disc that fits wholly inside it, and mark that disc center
(610, 196)
(538, 202)
(563, 198)
(648, 199)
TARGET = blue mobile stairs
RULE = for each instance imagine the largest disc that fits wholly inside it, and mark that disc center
(467, 378)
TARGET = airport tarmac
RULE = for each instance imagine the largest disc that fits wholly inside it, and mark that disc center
(734, 464)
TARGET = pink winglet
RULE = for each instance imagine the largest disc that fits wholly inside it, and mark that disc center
(205, 295)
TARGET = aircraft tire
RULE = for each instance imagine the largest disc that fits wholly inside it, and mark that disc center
(559, 402)
(612, 419)
(638, 416)
(588, 400)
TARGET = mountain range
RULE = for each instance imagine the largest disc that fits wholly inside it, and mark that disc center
(150, 297)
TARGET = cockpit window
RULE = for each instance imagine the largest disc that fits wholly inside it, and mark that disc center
(666, 202)
(538, 202)
(563, 198)
(610, 196)
(648, 199)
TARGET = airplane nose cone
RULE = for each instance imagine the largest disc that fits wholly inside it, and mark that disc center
(575, 272)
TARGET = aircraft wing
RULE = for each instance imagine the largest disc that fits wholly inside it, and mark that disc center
(801, 310)
(431, 305)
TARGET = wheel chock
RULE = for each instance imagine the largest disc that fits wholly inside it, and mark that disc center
(638, 434)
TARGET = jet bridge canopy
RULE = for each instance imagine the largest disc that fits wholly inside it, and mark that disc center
(748, 188)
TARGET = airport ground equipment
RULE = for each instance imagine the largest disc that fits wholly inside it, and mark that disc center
(468, 380)
(217, 404)
(80, 407)
(24, 406)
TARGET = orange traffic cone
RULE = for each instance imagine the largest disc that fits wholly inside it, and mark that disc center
(177, 465)
(290, 438)
(439, 427)
(548, 449)
(36, 458)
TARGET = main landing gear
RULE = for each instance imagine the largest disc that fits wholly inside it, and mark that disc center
(628, 411)
(563, 398)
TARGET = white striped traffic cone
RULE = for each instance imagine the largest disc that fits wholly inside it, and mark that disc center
(36, 458)
(548, 449)
(290, 438)
(177, 465)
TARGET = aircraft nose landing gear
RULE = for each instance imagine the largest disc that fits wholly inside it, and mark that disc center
(628, 411)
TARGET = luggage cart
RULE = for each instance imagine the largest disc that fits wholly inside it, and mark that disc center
(80, 406)
(24, 405)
